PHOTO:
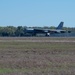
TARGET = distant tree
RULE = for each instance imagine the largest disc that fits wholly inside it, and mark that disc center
(1, 29)
(46, 27)
(19, 31)
(8, 31)
(52, 27)
(11, 31)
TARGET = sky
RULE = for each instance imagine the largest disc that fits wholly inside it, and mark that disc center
(37, 13)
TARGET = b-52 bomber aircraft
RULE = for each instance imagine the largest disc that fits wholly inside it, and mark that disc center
(47, 32)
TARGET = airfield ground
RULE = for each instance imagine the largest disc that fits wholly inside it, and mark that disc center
(37, 56)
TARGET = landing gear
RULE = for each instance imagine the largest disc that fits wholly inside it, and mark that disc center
(47, 34)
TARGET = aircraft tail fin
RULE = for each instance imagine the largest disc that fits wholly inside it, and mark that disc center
(60, 26)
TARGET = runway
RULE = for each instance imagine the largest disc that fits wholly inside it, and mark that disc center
(37, 39)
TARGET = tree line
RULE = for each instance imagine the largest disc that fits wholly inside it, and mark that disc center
(11, 31)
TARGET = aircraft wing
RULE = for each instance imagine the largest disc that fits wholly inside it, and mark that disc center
(57, 31)
(50, 30)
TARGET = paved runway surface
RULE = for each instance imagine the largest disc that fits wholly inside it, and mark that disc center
(37, 39)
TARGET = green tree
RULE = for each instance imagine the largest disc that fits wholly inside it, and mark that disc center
(19, 31)
(8, 31)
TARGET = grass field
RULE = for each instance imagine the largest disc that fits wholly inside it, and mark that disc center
(37, 56)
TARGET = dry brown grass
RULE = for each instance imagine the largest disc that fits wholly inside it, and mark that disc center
(37, 56)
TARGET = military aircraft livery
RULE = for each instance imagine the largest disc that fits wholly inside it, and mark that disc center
(47, 32)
